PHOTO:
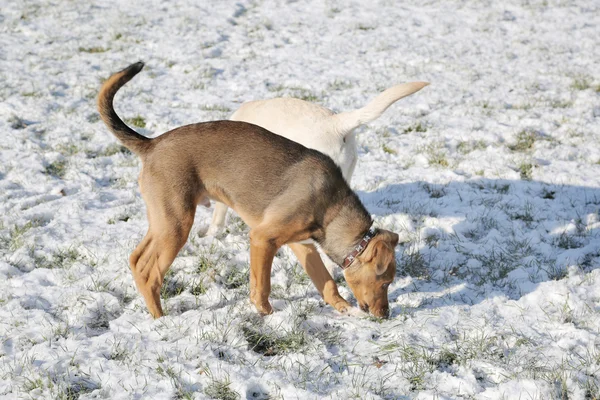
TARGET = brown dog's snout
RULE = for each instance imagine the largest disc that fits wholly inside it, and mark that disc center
(383, 312)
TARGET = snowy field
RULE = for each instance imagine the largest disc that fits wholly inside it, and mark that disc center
(491, 176)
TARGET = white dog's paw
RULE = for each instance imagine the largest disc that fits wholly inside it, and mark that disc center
(214, 230)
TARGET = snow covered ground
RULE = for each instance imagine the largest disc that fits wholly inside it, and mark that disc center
(490, 175)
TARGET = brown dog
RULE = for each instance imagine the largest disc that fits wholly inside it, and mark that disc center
(285, 192)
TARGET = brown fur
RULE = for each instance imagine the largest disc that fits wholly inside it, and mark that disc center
(285, 192)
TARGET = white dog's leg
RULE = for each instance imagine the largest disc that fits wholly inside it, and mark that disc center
(218, 221)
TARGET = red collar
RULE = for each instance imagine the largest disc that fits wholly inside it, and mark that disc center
(359, 248)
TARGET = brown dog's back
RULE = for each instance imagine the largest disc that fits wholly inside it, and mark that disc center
(246, 166)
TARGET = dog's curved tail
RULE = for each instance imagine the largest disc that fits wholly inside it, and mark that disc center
(345, 122)
(130, 138)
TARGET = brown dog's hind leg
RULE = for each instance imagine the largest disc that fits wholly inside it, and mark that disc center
(169, 228)
(311, 260)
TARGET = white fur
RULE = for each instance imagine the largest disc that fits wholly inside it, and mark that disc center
(315, 127)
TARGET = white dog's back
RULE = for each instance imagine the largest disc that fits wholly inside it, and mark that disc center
(315, 127)
(306, 123)
(295, 119)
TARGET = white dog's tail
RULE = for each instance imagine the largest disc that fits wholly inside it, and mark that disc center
(345, 122)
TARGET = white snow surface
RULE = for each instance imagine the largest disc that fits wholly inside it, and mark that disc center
(491, 176)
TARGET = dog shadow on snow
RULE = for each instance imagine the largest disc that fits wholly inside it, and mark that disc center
(462, 241)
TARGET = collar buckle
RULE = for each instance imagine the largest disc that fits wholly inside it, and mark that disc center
(359, 248)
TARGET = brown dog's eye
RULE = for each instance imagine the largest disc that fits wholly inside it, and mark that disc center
(385, 285)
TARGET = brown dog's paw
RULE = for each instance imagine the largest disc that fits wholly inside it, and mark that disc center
(341, 305)
(263, 307)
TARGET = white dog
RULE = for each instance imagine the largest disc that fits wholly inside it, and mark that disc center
(315, 127)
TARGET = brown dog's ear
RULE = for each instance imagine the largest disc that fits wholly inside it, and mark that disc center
(379, 254)
(390, 237)
(394, 239)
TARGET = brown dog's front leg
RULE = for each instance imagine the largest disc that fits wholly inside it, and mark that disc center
(262, 252)
(311, 260)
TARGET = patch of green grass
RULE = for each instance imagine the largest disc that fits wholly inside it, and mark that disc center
(299, 276)
(74, 391)
(566, 241)
(236, 278)
(332, 336)
(32, 384)
(221, 390)
(16, 233)
(58, 169)
(296, 92)
(501, 188)
(138, 121)
(66, 257)
(384, 132)
(548, 194)
(198, 288)
(17, 123)
(339, 85)
(417, 362)
(465, 147)
(484, 224)
(210, 259)
(561, 103)
(526, 171)
(388, 150)
(436, 155)
(556, 272)
(413, 264)
(63, 258)
(68, 149)
(95, 49)
(497, 263)
(581, 83)
(172, 286)
(110, 150)
(307, 95)
(415, 128)
(181, 392)
(434, 192)
(216, 107)
(522, 106)
(121, 217)
(269, 343)
(477, 344)
(526, 214)
(61, 330)
(524, 141)
(118, 352)
(447, 358)
(236, 225)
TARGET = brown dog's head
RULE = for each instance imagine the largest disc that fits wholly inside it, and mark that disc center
(372, 273)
